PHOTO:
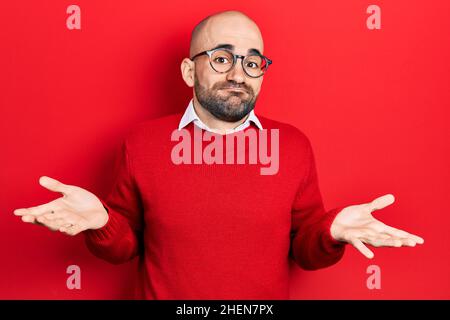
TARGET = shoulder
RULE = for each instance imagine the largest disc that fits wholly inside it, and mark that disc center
(288, 133)
(165, 123)
(152, 130)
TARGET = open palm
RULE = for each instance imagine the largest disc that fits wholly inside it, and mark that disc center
(357, 226)
(77, 210)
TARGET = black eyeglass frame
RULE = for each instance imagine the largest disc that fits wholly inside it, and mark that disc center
(235, 57)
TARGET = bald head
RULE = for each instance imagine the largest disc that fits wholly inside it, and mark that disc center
(227, 27)
(224, 98)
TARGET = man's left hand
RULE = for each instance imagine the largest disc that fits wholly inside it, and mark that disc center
(356, 225)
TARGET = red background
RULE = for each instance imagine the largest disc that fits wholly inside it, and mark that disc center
(375, 104)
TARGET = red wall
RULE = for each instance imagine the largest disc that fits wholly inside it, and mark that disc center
(375, 104)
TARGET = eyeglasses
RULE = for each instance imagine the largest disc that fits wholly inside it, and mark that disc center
(223, 60)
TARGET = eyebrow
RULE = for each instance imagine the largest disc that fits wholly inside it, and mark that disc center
(231, 47)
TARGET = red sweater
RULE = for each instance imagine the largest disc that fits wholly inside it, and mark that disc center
(214, 231)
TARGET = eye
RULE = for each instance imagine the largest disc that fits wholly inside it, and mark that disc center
(253, 65)
(221, 59)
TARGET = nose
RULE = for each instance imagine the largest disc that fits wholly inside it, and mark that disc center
(236, 73)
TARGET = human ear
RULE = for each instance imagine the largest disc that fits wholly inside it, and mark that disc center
(187, 71)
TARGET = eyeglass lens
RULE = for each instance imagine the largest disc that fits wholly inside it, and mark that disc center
(222, 61)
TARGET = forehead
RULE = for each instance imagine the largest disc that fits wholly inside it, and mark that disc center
(242, 34)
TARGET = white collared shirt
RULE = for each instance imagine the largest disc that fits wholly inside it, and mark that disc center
(190, 115)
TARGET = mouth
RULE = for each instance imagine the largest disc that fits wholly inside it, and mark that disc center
(235, 89)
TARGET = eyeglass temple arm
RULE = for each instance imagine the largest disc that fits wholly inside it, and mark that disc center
(199, 54)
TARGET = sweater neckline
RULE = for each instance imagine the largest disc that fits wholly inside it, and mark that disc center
(192, 125)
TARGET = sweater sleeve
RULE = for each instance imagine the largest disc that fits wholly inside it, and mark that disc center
(312, 246)
(119, 240)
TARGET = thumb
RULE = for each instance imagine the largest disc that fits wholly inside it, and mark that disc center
(54, 185)
(381, 202)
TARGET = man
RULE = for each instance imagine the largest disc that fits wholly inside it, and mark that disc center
(216, 230)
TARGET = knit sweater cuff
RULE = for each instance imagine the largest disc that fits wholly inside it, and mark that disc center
(113, 227)
(330, 244)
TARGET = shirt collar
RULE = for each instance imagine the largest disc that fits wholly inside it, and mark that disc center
(191, 116)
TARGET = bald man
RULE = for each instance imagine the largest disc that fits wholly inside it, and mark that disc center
(216, 229)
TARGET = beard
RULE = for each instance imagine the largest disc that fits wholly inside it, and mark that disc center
(230, 106)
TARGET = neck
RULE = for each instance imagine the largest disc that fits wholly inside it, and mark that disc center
(212, 122)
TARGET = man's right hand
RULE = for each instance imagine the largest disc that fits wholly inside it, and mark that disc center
(77, 210)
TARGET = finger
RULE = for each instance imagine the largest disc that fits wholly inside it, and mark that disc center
(33, 220)
(72, 230)
(399, 242)
(66, 222)
(68, 219)
(381, 202)
(362, 248)
(371, 232)
(54, 185)
(392, 242)
(66, 225)
(408, 242)
(379, 242)
(405, 241)
(402, 234)
(44, 223)
(28, 218)
(37, 210)
(383, 236)
(47, 223)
